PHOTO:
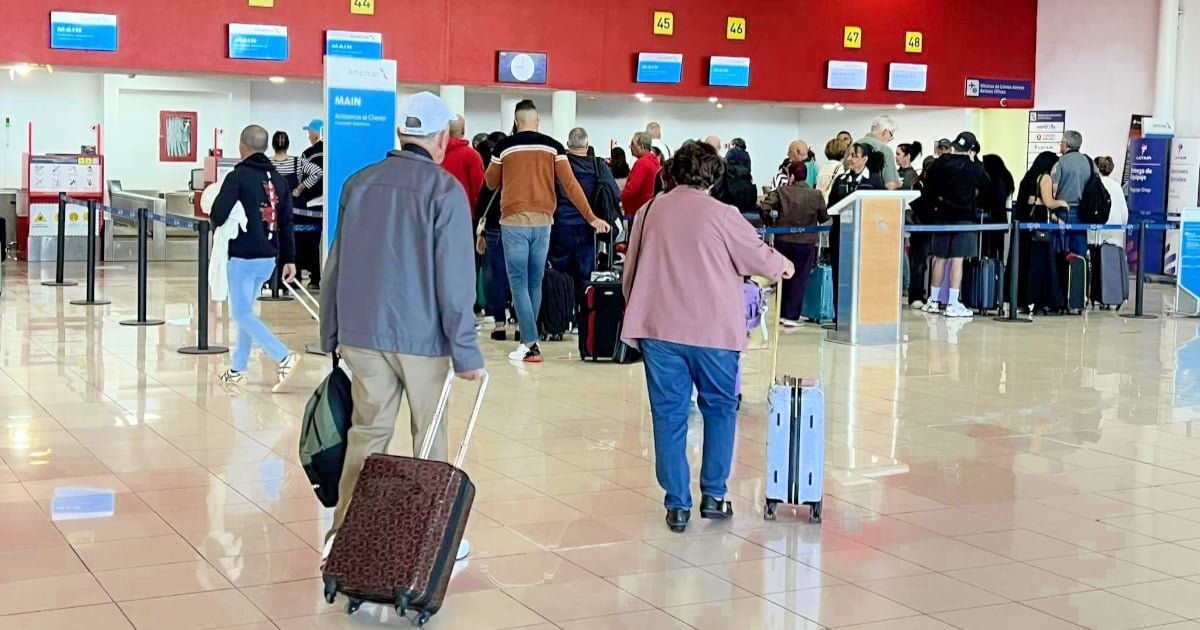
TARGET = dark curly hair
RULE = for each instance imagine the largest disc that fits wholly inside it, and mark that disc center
(696, 164)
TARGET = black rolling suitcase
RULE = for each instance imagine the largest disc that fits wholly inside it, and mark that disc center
(558, 305)
(983, 284)
(601, 309)
(1110, 275)
(1074, 279)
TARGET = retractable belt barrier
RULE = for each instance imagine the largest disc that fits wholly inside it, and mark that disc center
(144, 217)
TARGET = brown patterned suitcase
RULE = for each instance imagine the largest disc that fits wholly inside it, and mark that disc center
(398, 543)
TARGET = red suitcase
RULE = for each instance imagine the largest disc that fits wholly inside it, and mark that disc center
(398, 543)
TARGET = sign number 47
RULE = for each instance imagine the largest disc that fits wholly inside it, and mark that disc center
(362, 7)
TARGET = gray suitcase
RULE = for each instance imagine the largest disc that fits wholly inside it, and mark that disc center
(1110, 275)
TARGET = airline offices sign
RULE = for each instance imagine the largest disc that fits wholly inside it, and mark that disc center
(1046, 130)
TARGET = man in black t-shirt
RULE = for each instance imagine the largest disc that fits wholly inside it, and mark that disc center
(950, 189)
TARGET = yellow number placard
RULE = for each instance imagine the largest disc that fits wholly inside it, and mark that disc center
(852, 38)
(362, 7)
(914, 42)
(735, 28)
(262, 3)
(664, 23)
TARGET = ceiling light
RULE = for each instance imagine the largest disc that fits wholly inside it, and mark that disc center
(900, 106)
(646, 99)
(22, 69)
(828, 106)
(712, 99)
(720, 105)
(840, 108)
(639, 95)
(277, 80)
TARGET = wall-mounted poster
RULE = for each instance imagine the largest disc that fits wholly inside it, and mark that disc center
(177, 136)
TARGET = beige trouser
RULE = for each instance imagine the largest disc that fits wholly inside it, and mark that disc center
(378, 382)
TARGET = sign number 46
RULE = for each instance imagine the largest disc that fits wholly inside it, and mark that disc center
(362, 7)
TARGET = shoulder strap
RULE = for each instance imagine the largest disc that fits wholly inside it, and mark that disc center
(641, 244)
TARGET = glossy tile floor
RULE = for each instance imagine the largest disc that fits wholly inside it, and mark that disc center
(1038, 476)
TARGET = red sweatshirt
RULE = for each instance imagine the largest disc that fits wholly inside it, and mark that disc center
(463, 162)
(639, 188)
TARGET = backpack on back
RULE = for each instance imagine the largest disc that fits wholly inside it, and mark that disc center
(605, 204)
(1096, 204)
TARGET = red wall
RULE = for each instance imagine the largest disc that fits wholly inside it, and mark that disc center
(592, 45)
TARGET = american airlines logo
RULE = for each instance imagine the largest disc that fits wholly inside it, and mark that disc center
(368, 74)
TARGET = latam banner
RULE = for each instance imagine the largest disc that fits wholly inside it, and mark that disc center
(1183, 191)
(1148, 194)
(360, 107)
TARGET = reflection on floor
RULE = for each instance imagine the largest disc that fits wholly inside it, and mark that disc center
(980, 476)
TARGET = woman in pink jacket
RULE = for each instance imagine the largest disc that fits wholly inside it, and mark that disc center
(686, 260)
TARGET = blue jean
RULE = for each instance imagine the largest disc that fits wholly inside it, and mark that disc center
(672, 370)
(1076, 239)
(573, 252)
(497, 291)
(525, 251)
(246, 278)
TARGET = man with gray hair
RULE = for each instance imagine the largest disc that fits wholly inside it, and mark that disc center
(883, 131)
(399, 291)
(1069, 178)
(572, 240)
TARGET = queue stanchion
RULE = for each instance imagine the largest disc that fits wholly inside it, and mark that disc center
(143, 272)
(1014, 275)
(60, 245)
(91, 300)
(203, 230)
(1139, 300)
(275, 284)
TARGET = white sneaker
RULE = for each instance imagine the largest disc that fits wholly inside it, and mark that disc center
(489, 321)
(287, 369)
(464, 550)
(917, 305)
(519, 353)
(230, 377)
(958, 310)
(931, 307)
(790, 323)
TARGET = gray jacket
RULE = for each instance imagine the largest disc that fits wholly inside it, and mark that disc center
(401, 274)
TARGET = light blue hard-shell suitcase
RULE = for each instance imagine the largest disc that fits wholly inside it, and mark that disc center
(795, 446)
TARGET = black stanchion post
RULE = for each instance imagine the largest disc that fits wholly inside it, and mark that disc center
(1140, 283)
(1014, 276)
(143, 272)
(277, 294)
(60, 256)
(202, 346)
(91, 260)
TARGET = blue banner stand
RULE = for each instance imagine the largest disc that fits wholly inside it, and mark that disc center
(1187, 287)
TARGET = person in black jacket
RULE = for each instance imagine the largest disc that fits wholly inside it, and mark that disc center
(489, 245)
(863, 172)
(263, 195)
(736, 188)
(309, 208)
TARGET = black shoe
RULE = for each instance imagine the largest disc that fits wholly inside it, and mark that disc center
(499, 334)
(677, 519)
(711, 507)
(314, 285)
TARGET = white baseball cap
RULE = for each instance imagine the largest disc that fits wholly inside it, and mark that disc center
(424, 114)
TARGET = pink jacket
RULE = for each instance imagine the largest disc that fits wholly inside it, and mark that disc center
(683, 273)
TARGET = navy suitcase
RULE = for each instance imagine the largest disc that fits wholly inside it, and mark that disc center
(558, 305)
(983, 284)
(1074, 280)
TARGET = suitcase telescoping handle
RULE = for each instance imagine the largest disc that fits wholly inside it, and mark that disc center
(778, 328)
(305, 298)
(440, 415)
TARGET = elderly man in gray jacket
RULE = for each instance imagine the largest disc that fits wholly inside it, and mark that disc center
(399, 290)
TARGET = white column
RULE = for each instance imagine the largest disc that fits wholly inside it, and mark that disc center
(564, 111)
(1168, 51)
(508, 108)
(456, 97)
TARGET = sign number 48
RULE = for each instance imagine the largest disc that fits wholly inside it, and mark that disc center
(362, 7)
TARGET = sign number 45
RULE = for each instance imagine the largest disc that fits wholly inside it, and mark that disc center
(362, 7)
(664, 23)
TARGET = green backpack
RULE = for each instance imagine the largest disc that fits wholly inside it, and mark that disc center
(323, 436)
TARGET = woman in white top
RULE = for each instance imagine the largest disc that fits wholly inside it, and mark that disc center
(1120, 207)
(835, 151)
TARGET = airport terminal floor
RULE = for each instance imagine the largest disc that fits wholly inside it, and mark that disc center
(980, 476)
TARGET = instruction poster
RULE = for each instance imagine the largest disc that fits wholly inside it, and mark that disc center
(72, 174)
(43, 220)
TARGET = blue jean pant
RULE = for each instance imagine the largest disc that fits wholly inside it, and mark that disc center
(497, 290)
(246, 278)
(573, 252)
(1076, 240)
(525, 251)
(672, 370)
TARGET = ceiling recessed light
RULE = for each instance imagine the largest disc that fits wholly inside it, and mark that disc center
(639, 95)
(713, 99)
(900, 106)
(840, 108)
(277, 80)
(22, 69)
(646, 99)
(720, 105)
(828, 106)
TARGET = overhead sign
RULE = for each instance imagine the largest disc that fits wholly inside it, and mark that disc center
(847, 75)
(729, 71)
(354, 44)
(360, 103)
(735, 28)
(521, 67)
(907, 77)
(263, 42)
(1148, 194)
(914, 42)
(660, 68)
(664, 23)
(83, 31)
(1046, 130)
(852, 37)
(1000, 88)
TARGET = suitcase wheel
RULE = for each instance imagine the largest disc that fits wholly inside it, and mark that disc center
(769, 510)
(422, 619)
(353, 606)
(330, 589)
(814, 513)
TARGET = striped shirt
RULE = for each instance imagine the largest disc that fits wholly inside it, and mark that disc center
(307, 173)
(528, 164)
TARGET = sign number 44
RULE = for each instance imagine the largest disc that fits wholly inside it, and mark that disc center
(362, 7)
